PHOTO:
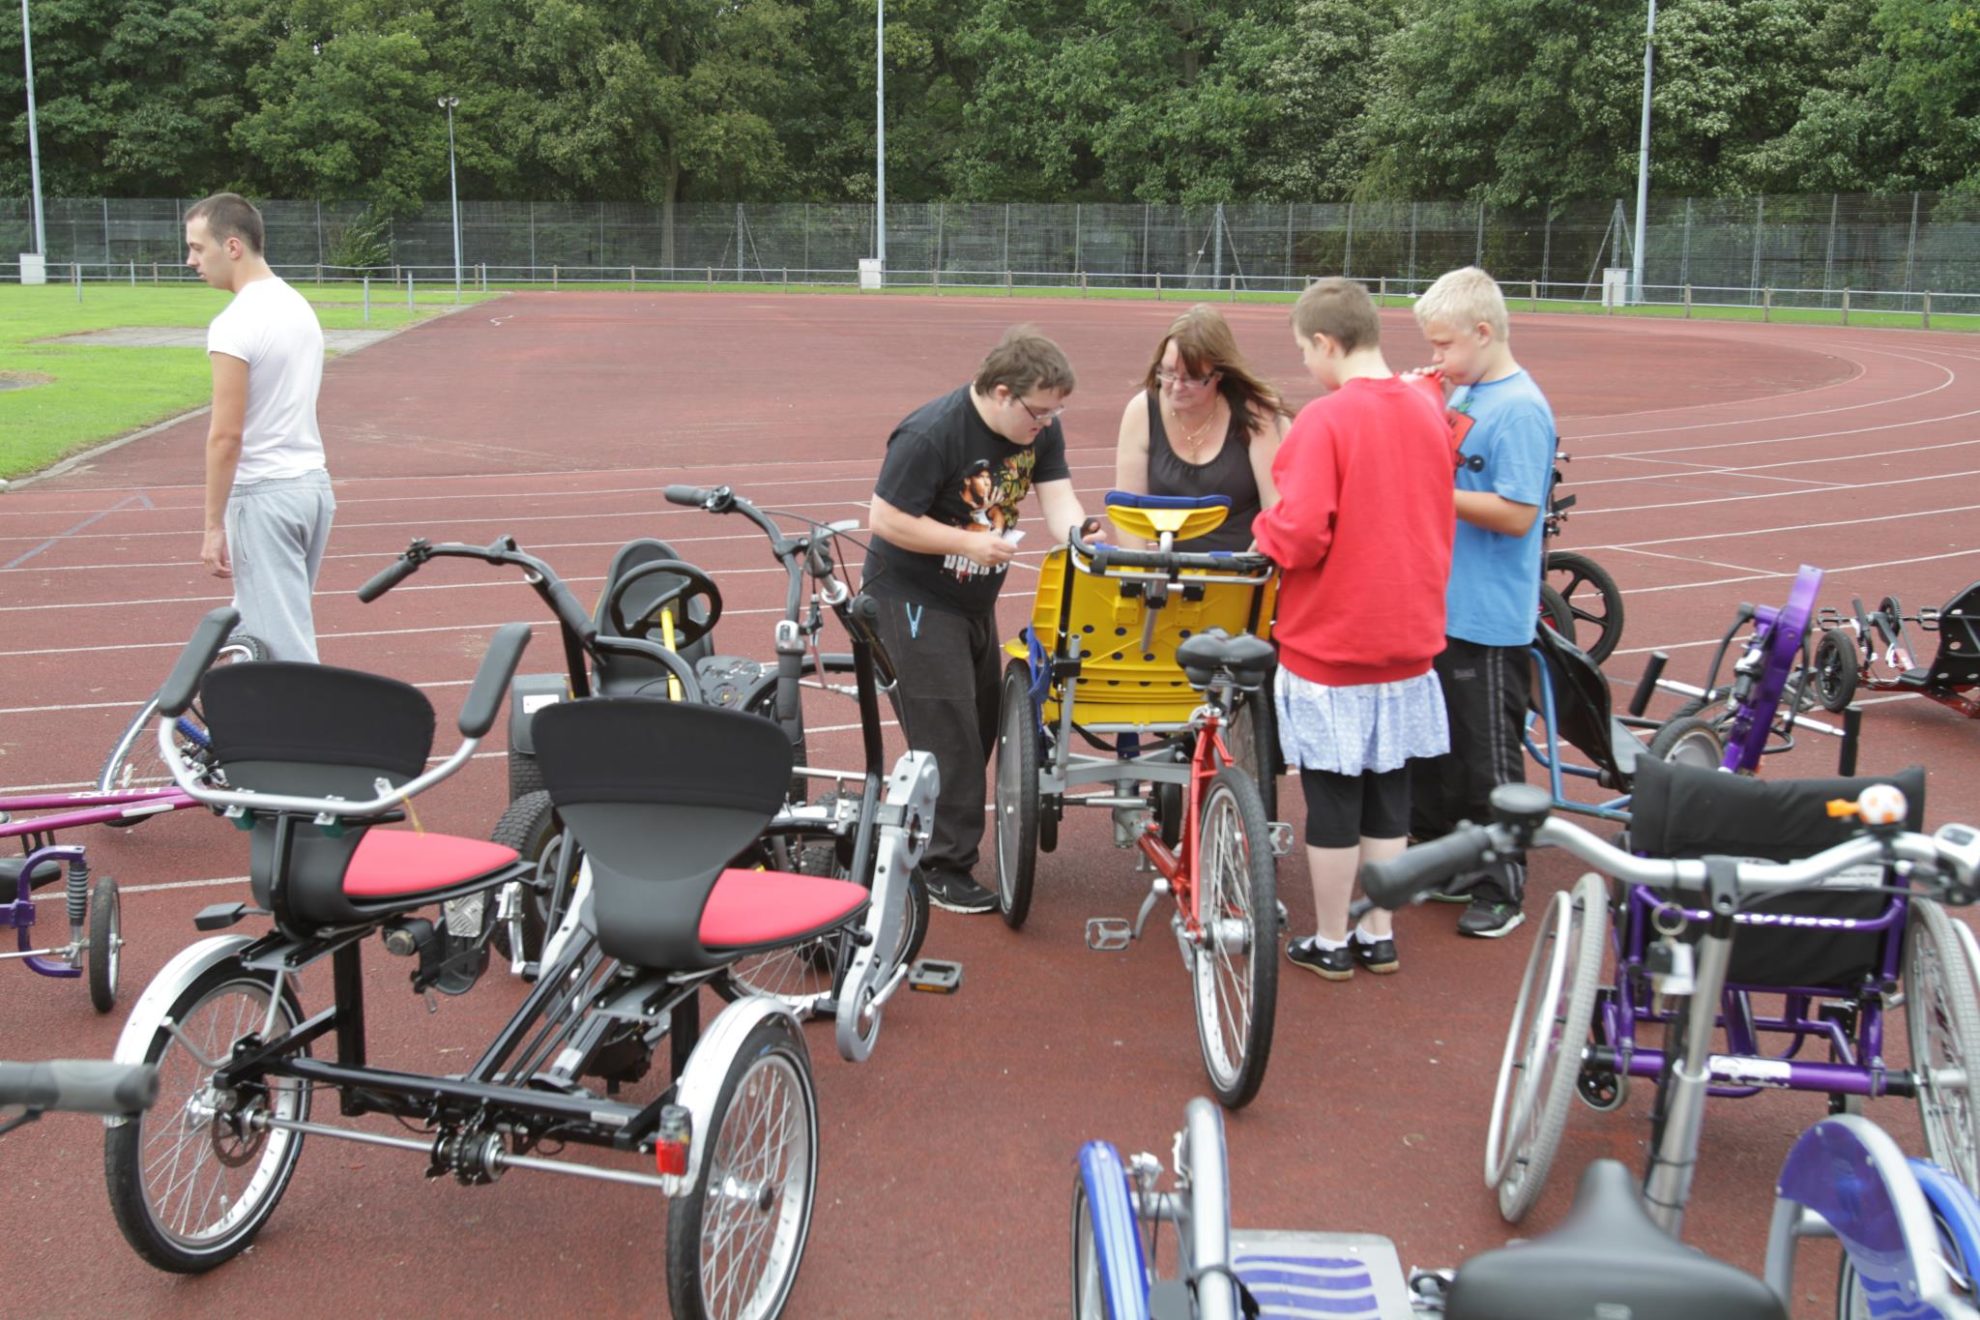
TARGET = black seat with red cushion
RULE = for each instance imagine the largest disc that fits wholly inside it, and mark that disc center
(664, 797)
(319, 731)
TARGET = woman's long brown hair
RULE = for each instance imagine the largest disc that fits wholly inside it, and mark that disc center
(1205, 344)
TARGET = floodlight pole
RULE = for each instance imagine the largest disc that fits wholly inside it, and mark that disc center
(448, 103)
(879, 131)
(1643, 159)
(34, 140)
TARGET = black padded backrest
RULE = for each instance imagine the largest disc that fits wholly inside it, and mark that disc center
(661, 796)
(1684, 811)
(1582, 707)
(1957, 663)
(314, 730)
(638, 599)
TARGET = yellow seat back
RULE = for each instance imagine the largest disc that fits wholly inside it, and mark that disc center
(1149, 524)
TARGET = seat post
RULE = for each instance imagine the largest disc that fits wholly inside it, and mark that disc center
(347, 983)
(684, 1030)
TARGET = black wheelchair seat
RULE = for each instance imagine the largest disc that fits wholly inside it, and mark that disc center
(634, 675)
(319, 731)
(1958, 661)
(1685, 811)
(664, 797)
(1607, 1257)
(1249, 660)
(1584, 715)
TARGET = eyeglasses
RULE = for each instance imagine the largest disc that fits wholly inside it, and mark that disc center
(1042, 418)
(1167, 377)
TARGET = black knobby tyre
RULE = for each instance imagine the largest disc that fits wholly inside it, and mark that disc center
(525, 775)
(1236, 969)
(106, 943)
(1555, 614)
(1591, 597)
(1687, 740)
(756, 1188)
(530, 826)
(1836, 670)
(196, 1154)
(1017, 796)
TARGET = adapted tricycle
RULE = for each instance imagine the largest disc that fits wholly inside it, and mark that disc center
(1910, 1233)
(1158, 661)
(1874, 651)
(671, 803)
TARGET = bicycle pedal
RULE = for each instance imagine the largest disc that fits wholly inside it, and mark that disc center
(935, 976)
(1108, 934)
(1281, 832)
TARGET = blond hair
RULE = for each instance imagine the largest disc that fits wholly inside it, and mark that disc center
(1341, 310)
(1463, 298)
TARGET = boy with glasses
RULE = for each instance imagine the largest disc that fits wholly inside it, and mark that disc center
(944, 522)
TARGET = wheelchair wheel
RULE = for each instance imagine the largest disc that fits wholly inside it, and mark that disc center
(1236, 968)
(1591, 598)
(1687, 740)
(106, 943)
(734, 1243)
(1109, 1277)
(1017, 796)
(1835, 670)
(1555, 613)
(525, 774)
(1943, 1021)
(134, 763)
(190, 1187)
(1542, 1059)
(530, 826)
(1252, 739)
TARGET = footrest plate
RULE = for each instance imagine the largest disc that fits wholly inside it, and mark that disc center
(1332, 1274)
(1108, 934)
(934, 976)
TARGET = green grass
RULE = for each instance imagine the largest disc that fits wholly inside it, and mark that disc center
(93, 394)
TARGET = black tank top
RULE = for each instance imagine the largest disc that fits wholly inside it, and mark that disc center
(1228, 473)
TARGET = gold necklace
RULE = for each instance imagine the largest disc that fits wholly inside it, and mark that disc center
(1193, 438)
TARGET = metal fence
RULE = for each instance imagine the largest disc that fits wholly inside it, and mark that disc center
(1817, 246)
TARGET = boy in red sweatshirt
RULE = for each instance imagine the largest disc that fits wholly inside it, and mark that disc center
(1362, 533)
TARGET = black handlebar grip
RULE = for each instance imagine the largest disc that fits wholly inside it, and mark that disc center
(80, 1086)
(498, 666)
(690, 495)
(386, 578)
(1393, 883)
(193, 662)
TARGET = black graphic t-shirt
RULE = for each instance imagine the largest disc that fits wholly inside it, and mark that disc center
(944, 463)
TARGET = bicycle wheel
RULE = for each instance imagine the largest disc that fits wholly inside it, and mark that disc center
(1687, 740)
(134, 763)
(1109, 1277)
(1954, 1223)
(1836, 670)
(194, 1178)
(1236, 968)
(1017, 796)
(530, 825)
(106, 944)
(735, 1242)
(1542, 1059)
(1555, 614)
(1591, 597)
(1943, 1021)
(1252, 738)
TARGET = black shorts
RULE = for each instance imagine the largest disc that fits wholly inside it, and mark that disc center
(1342, 810)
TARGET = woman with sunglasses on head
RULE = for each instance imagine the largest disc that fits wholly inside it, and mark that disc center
(1203, 424)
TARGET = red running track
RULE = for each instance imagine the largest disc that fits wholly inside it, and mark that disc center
(1709, 459)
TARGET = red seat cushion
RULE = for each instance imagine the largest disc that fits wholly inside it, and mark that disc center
(397, 863)
(749, 908)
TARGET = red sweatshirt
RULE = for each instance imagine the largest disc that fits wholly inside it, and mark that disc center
(1362, 532)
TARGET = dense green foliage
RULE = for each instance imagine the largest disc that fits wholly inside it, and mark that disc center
(1515, 102)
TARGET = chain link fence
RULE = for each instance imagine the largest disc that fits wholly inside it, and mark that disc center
(1815, 251)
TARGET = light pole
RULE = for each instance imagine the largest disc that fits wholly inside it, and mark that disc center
(448, 103)
(34, 140)
(879, 130)
(1643, 160)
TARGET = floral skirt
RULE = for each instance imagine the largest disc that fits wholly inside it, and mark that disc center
(1353, 730)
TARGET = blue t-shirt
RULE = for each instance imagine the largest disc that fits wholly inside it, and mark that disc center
(1494, 594)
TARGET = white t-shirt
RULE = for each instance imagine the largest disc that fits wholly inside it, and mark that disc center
(274, 330)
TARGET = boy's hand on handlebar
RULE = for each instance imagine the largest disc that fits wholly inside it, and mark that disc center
(1094, 529)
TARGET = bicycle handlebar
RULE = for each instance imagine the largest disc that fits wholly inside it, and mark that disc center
(388, 577)
(1105, 556)
(79, 1086)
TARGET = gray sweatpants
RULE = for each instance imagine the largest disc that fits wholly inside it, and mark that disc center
(276, 533)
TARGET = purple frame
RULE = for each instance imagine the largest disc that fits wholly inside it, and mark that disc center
(1741, 1070)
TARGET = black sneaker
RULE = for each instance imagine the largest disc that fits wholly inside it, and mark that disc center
(1378, 957)
(1455, 890)
(1489, 917)
(1330, 964)
(958, 893)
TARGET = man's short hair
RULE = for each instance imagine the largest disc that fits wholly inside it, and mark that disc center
(1461, 299)
(230, 215)
(1023, 361)
(1339, 309)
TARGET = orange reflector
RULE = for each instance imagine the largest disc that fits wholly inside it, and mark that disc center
(676, 1134)
(1840, 807)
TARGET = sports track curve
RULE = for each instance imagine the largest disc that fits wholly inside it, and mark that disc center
(1709, 460)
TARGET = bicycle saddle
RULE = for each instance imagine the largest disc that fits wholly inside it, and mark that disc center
(1248, 659)
(1608, 1257)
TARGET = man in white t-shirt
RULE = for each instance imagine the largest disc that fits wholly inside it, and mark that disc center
(268, 502)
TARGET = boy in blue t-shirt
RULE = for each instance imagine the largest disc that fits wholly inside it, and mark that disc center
(1505, 459)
